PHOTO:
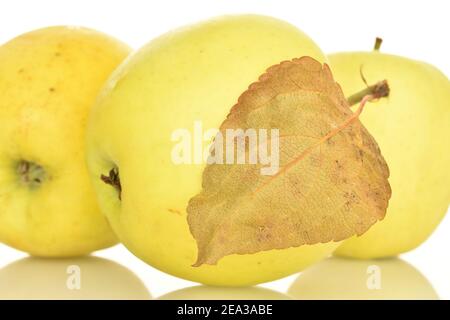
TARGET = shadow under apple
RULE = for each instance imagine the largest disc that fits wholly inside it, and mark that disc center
(218, 293)
(72, 278)
(342, 279)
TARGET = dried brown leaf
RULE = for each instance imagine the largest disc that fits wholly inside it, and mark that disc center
(332, 182)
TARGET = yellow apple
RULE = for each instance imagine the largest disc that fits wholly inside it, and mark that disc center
(342, 279)
(49, 79)
(70, 278)
(412, 128)
(194, 74)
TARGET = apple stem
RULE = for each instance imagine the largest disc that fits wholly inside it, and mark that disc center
(376, 91)
(30, 173)
(113, 179)
(378, 42)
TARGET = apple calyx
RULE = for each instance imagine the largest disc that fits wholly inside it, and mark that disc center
(113, 179)
(30, 173)
(378, 90)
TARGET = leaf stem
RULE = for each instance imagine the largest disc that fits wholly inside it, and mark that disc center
(376, 91)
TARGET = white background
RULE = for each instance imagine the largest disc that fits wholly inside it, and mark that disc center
(417, 29)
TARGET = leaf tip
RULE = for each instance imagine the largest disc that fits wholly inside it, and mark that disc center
(203, 259)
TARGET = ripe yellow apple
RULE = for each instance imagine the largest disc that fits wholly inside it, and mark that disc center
(412, 128)
(191, 75)
(70, 278)
(49, 79)
(342, 279)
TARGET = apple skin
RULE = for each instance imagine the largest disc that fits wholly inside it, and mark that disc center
(412, 128)
(49, 79)
(194, 73)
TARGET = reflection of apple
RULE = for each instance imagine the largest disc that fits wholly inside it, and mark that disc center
(216, 293)
(71, 278)
(193, 74)
(49, 79)
(412, 128)
(335, 279)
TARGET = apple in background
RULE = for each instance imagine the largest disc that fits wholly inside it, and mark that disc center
(49, 79)
(192, 74)
(412, 128)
